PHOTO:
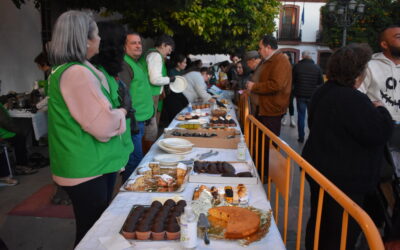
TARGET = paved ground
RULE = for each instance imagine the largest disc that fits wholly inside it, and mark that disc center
(29, 233)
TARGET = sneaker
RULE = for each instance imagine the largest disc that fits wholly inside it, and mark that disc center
(8, 181)
(292, 122)
(22, 170)
(284, 120)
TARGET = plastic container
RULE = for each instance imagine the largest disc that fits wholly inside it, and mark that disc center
(189, 108)
(241, 149)
(188, 229)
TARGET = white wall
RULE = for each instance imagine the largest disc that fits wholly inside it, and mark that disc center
(20, 43)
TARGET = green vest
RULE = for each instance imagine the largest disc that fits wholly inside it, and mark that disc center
(155, 89)
(4, 134)
(73, 152)
(113, 97)
(142, 100)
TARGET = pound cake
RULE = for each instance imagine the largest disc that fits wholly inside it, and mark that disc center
(240, 222)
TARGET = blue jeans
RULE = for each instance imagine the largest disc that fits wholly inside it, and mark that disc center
(137, 155)
(302, 104)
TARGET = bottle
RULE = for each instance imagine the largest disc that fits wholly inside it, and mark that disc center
(188, 228)
(241, 149)
(189, 108)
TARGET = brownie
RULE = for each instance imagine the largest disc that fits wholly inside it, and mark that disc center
(244, 174)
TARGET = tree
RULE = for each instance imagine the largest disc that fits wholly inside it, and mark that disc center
(378, 15)
(198, 26)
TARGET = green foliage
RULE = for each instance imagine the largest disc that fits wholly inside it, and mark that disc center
(378, 15)
(197, 26)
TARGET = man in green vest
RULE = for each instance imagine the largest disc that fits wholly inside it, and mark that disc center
(134, 75)
(158, 76)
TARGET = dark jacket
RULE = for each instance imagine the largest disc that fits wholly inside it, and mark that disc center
(347, 137)
(307, 76)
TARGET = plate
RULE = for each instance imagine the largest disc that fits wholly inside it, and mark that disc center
(176, 143)
(172, 151)
(168, 159)
(179, 85)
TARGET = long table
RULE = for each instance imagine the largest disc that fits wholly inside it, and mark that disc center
(105, 232)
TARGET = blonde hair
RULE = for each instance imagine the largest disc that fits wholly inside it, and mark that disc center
(70, 37)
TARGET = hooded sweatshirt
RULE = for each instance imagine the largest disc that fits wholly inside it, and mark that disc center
(382, 83)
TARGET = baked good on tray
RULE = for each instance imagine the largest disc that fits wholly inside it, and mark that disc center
(238, 222)
(225, 169)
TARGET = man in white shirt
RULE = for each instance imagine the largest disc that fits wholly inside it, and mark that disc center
(158, 76)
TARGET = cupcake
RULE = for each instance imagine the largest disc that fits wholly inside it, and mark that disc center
(173, 231)
(158, 232)
(169, 203)
(143, 231)
(156, 204)
(129, 228)
(181, 203)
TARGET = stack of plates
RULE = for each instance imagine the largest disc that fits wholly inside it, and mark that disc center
(175, 145)
(168, 159)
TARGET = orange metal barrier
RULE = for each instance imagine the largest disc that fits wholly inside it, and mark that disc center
(282, 156)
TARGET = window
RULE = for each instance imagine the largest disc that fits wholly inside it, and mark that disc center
(289, 23)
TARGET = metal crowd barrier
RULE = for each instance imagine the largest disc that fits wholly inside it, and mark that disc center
(281, 159)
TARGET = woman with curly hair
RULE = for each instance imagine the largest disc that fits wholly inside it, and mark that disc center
(347, 137)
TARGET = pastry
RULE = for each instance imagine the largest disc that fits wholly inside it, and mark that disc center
(158, 232)
(155, 168)
(164, 180)
(181, 170)
(180, 117)
(173, 231)
(146, 172)
(238, 222)
(136, 184)
(169, 203)
(229, 194)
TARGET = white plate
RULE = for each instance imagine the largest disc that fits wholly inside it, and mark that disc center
(172, 151)
(179, 85)
(168, 159)
(176, 143)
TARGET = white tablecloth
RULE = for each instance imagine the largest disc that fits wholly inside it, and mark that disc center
(113, 218)
(39, 120)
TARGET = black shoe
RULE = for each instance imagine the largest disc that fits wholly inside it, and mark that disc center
(301, 140)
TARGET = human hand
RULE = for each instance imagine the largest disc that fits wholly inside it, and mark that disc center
(249, 85)
(378, 104)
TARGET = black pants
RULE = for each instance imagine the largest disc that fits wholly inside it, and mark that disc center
(331, 221)
(89, 200)
(291, 106)
(21, 152)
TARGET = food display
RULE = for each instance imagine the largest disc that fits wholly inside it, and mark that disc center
(224, 195)
(153, 178)
(191, 115)
(201, 105)
(155, 222)
(222, 121)
(193, 134)
(219, 111)
(225, 169)
(238, 222)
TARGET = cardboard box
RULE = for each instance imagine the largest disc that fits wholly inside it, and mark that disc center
(240, 166)
(226, 138)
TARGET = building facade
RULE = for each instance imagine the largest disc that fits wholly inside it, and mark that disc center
(299, 29)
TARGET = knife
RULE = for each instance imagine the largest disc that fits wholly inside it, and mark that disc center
(204, 225)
